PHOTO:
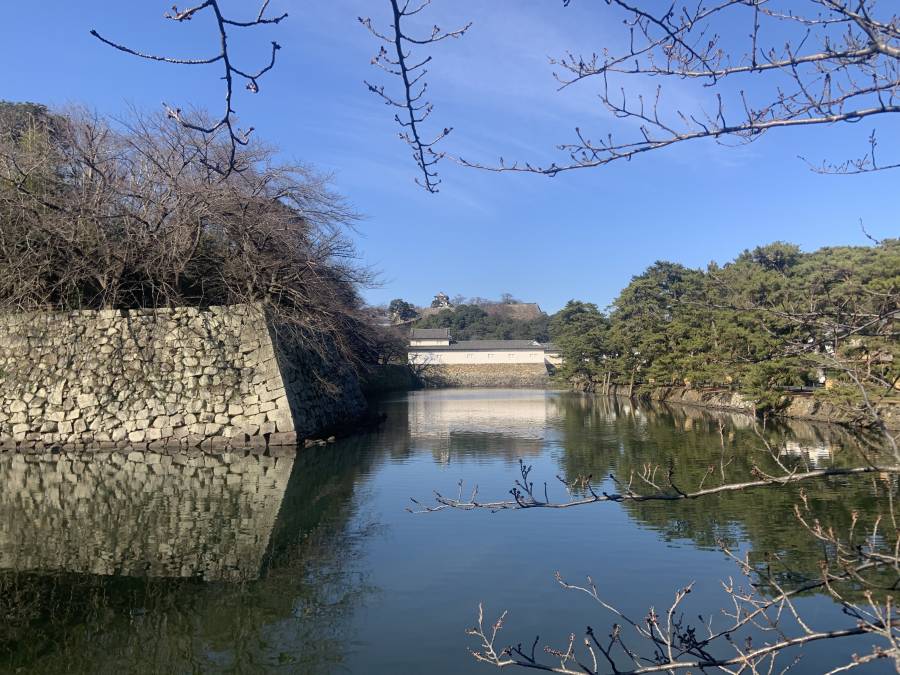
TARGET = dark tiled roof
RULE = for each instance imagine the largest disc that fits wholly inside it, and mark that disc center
(430, 334)
(485, 345)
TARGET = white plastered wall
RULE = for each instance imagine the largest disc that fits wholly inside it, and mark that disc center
(441, 342)
(475, 357)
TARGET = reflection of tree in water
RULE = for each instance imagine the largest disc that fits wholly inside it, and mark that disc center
(604, 436)
(293, 617)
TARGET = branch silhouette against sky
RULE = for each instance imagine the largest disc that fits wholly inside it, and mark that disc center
(820, 62)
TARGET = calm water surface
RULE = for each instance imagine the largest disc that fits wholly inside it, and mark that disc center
(142, 563)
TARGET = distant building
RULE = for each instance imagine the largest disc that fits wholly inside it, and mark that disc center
(441, 301)
(429, 337)
(435, 346)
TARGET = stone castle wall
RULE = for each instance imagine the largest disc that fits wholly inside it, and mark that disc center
(186, 377)
(515, 375)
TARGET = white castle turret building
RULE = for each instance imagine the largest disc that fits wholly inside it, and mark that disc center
(435, 346)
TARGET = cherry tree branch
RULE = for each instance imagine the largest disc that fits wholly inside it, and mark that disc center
(760, 608)
(237, 137)
(525, 496)
(395, 57)
(838, 64)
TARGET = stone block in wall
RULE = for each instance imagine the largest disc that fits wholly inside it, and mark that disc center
(178, 377)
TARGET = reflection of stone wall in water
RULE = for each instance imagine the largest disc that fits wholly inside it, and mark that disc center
(511, 423)
(140, 514)
(816, 441)
(296, 617)
(182, 377)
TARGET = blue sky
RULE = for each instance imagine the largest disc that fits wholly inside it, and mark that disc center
(582, 235)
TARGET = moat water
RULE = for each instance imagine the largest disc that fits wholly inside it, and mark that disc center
(145, 563)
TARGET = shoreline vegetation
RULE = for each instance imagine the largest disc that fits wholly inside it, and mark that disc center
(773, 320)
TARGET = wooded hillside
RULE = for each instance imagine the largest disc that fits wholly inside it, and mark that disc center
(496, 321)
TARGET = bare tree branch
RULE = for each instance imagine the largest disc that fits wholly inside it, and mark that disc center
(851, 73)
(860, 573)
(414, 107)
(526, 497)
(237, 137)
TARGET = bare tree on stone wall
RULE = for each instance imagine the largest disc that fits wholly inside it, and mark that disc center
(104, 216)
(232, 73)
